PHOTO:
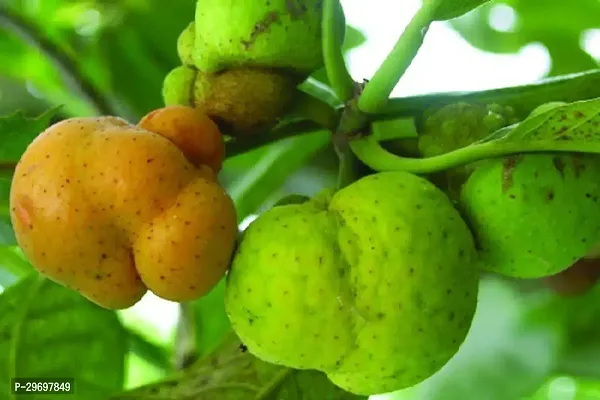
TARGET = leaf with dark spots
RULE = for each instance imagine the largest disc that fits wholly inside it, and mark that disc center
(577, 122)
(232, 373)
(52, 331)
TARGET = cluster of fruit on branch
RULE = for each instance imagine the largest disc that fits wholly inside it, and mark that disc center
(374, 283)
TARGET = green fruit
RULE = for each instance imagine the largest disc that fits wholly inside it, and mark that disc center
(455, 126)
(376, 285)
(185, 45)
(244, 100)
(534, 215)
(178, 85)
(274, 34)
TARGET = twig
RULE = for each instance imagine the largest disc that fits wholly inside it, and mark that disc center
(68, 68)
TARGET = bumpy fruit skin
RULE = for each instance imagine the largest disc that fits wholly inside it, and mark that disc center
(534, 215)
(185, 45)
(376, 285)
(110, 209)
(245, 100)
(275, 34)
(242, 101)
(192, 131)
(178, 86)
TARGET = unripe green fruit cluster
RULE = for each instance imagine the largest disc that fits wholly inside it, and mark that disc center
(375, 284)
(241, 60)
(532, 215)
(454, 126)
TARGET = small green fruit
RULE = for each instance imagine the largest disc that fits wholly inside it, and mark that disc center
(272, 34)
(178, 85)
(534, 215)
(455, 126)
(185, 45)
(376, 285)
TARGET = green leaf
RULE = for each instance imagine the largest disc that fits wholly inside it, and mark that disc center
(273, 169)
(13, 262)
(148, 350)
(48, 331)
(556, 24)
(576, 122)
(231, 373)
(17, 131)
(7, 236)
(506, 355)
(454, 8)
(211, 322)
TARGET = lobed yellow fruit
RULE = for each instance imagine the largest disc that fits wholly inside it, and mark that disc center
(112, 210)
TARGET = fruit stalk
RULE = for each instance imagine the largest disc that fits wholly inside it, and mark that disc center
(370, 152)
(333, 55)
(376, 93)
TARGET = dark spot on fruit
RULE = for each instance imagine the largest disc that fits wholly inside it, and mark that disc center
(508, 168)
(550, 195)
(559, 164)
(451, 316)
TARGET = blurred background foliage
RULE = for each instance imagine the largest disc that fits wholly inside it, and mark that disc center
(93, 57)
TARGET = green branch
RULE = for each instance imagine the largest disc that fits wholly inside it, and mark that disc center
(335, 66)
(370, 152)
(68, 68)
(523, 98)
(377, 92)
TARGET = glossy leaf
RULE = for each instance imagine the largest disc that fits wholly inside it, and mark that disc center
(577, 122)
(449, 9)
(48, 331)
(271, 171)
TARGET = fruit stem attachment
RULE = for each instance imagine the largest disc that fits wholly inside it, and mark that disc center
(315, 110)
(335, 65)
(369, 151)
(376, 93)
(352, 122)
